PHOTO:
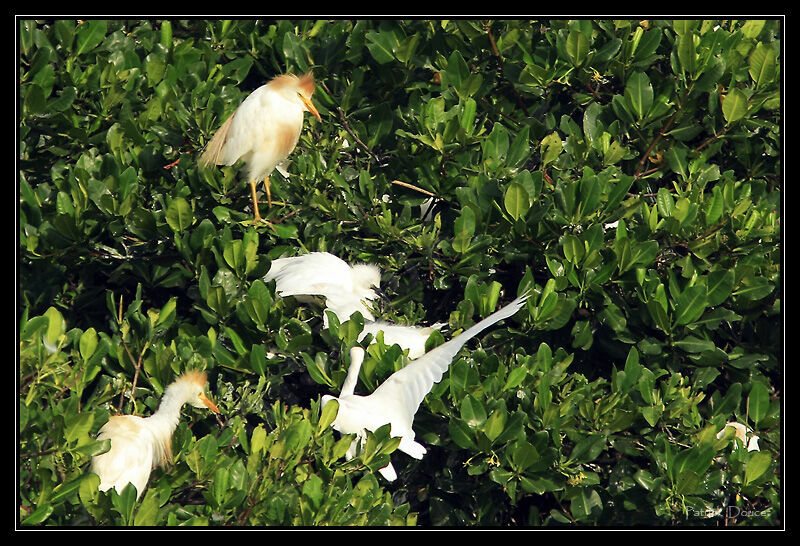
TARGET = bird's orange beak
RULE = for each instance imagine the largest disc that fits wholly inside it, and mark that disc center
(310, 106)
(209, 404)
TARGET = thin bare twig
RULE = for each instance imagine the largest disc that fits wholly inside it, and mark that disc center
(137, 364)
(413, 187)
(355, 136)
(711, 139)
(637, 174)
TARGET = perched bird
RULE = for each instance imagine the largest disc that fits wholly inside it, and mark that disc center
(345, 287)
(264, 130)
(397, 399)
(139, 444)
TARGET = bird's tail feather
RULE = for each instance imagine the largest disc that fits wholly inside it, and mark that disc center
(213, 154)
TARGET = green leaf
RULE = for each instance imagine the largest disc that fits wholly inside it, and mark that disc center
(684, 26)
(676, 157)
(516, 200)
(460, 433)
(577, 47)
(587, 504)
(550, 148)
(464, 229)
(496, 146)
(39, 515)
(457, 71)
(687, 53)
(179, 214)
(720, 286)
(124, 502)
(519, 152)
(763, 65)
(55, 327)
(381, 45)
(523, 456)
(759, 462)
(687, 482)
(573, 248)
(665, 202)
(147, 514)
(734, 106)
(758, 402)
(692, 344)
(88, 344)
(587, 449)
(472, 411)
(639, 94)
(328, 415)
(690, 304)
(468, 115)
(90, 34)
(652, 414)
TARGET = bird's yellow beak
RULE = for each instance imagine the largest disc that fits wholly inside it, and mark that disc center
(209, 404)
(310, 106)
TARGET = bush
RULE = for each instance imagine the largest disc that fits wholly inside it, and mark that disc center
(628, 171)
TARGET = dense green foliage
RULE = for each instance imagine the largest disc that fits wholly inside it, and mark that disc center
(628, 171)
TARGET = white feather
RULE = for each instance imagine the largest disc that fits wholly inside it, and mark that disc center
(397, 399)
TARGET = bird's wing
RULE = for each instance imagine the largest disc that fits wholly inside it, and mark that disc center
(237, 136)
(405, 389)
(316, 273)
(131, 456)
(214, 152)
(408, 337)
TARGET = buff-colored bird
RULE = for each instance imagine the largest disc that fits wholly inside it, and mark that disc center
(139, 444)
(264, 130)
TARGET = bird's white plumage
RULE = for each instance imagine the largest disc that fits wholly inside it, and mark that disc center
(743, 433)
(408, 337)
(344, 287)
(264, 131)
(139, 444)
(397, 399)
(134, 449)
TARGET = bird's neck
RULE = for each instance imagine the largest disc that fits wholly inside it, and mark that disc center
(169, 410)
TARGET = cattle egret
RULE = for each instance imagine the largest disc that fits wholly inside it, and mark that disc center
(397, 399)
(139, 444)
(741, 431)
(345, 287)
(264, 130)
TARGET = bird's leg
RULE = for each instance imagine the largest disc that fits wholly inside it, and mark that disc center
(255, 202)
(257, 216)
(269, 193)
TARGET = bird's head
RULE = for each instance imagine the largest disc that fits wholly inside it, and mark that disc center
(193, 383)
(366, 276)
(296, 89)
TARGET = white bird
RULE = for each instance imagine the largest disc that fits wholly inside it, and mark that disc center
(408, 337)
(741, 431)
(139, 444)
(397, 399)
(345, 287)
(263, 130)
